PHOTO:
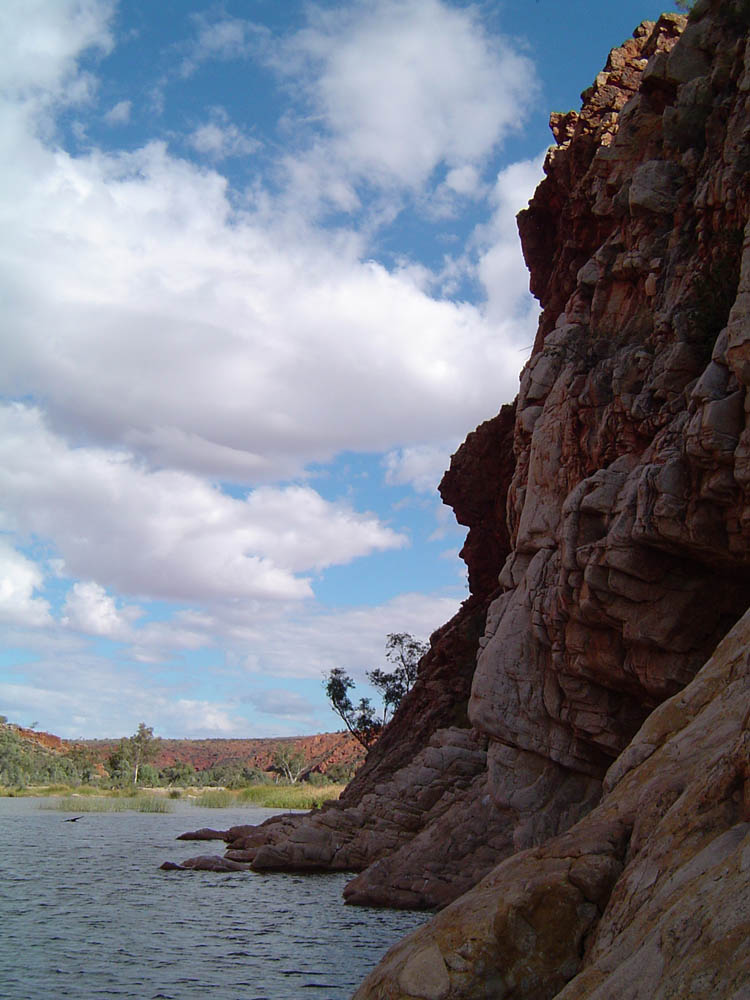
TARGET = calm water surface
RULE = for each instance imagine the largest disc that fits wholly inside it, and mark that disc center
(85, 912)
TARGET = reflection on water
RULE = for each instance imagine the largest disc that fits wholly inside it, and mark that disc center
(85, 912)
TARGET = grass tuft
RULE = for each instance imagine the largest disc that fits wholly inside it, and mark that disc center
(289, 796)
(90, 804)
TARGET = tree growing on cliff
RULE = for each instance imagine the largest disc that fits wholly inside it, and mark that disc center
(362, 720)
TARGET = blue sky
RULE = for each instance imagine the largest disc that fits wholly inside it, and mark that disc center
(260, 277)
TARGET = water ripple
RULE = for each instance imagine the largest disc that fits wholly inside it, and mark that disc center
(86, 913)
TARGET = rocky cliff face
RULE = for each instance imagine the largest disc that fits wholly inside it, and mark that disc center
(647, 897)
(609, 553)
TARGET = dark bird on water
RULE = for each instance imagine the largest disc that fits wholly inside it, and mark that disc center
(72, 819)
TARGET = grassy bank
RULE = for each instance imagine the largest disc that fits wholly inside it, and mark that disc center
(89, 798)
(271, 796)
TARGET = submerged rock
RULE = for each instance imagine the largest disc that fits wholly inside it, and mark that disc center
(205, 833)
(206, 863)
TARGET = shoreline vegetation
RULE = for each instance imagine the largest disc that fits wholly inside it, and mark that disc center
(91, 798)
(137, 773)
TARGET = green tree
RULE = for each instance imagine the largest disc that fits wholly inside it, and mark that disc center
(340, 774)
(23, 762)
(126, 760)
(82, 759)
(359, 719)
(180, 773)
(289, 762)
(362, 720)
(405, 652)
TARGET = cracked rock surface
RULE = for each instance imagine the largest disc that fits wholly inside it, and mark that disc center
(646, 897)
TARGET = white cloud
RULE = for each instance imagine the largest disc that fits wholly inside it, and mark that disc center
(20, 578)
(405, 85)
(313, 642)
(169, 534)
(119, 114)
(114, 705)
(165, 340)
(219, 140)
(501, 269)
(222, 38)
(146, 314)
(88, 608)
(282, 703)
(199, 717)
(421, 466)
(41, 41)
(120, 692)
(243, 345)
(464, 180)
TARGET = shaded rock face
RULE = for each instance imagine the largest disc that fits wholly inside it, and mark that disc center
(627, 508)
(647, 897)
(629, 521)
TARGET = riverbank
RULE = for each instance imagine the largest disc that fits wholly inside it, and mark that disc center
(92, 798)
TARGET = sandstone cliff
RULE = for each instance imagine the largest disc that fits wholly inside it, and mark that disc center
(609, 553)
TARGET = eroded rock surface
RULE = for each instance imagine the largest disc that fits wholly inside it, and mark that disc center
(647, 897)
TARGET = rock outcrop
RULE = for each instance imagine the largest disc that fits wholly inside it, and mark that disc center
(629, 517)
(609, 555)
(648, 896)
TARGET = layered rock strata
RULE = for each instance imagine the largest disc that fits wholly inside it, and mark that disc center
(620, 527)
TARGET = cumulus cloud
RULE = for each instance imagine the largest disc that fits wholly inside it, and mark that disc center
(20, 578)
(282, 704)
(421, 466)
(165, 334)
(169, 534)
(42, 41)
(313, 642)
(243, 344)
(500, 267)
(404, 86)
(114, 705)
(122, 690)
(147, 314)
(88, 608)
(217, 38)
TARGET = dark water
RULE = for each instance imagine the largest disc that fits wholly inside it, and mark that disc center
(85, 912)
